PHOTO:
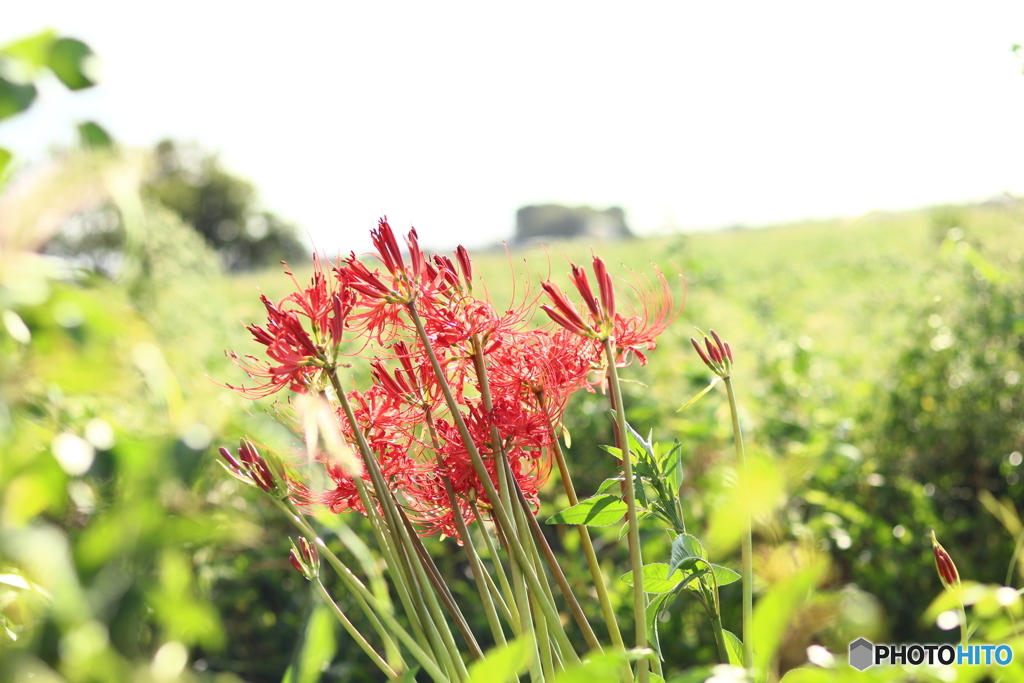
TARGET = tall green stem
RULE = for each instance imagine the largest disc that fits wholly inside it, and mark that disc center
(635, 557)
(353, 631)
(503, 515)
(963, 624)
(607, 611)
(748, 544)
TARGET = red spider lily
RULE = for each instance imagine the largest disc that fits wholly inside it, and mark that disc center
(403, 415)
(293, 354)
(324, 303)
(631, 335)
(297, 353)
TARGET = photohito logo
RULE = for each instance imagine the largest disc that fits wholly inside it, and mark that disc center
(864, 654)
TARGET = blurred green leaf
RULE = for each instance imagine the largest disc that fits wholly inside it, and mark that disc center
(5, 159)
(606, 666)
(503, 664)
(317, 648)
(69, 61)
(33, 51)
(15, 98)
(773, 612)
(92, 135)
(597, 511)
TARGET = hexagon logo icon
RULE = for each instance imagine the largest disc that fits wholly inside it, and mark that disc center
(862, 653)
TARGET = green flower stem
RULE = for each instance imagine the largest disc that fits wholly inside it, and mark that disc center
(354, 632)
(596, 574)
(963, 622)
(527, 514)
(395, 657)
(423, 599)
(748, 544)
(635, 557)
(503, 515)
(442, 589)
(556, 570)
(547, 662)
(360, 551)
(476, 565)
(511, 607)
(715, 613)
(375, 606)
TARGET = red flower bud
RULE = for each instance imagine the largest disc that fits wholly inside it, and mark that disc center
(944, 564)
(293, 558)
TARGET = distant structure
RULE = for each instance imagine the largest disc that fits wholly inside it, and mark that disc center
(549, 222)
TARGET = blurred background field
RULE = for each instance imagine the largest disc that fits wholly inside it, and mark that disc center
(879, 364)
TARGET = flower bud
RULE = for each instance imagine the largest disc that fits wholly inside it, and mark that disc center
(305, 558)
(948, 574)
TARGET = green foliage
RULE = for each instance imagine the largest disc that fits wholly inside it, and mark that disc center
(600, 510)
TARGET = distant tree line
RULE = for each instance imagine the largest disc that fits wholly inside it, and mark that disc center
(220, 206)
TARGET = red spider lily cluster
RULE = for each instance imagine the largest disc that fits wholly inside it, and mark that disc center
(508, 383)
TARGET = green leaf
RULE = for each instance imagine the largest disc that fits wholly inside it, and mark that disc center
(651, 614)
(600, 667)
(686, 551)
(504, 663)
(609, 483)
(93, 136)
(774, 611)
(638, 445)
(15, 98)
(69, 62)
(613, 450)
(698, 396)
(600, 510)
(672, 466)
(656, 578)
(33, 51)
(723, 575)
(734, 648)
(318, 647)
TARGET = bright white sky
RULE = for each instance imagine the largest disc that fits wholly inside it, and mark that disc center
(450, 115)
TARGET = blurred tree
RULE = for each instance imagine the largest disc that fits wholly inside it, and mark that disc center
(221, 208)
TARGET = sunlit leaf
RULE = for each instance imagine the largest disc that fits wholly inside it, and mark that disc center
(734, 648)
(503, 663)
(656, 578)
(597, 668)
(723, 575)
(686, 550)
(597, 511)
(33, 51)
